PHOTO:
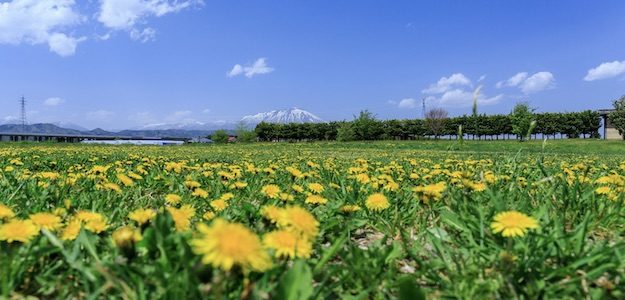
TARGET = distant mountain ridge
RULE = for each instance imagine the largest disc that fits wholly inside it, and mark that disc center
(177, 130)
(46, 128)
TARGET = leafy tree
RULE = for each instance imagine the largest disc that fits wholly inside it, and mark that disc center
(244, 134)
(220, 136)
(345, 132)
(521, 117)
(617, 117)
(366, 127)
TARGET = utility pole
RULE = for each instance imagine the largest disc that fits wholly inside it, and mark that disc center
(23, 117)
(423, 101)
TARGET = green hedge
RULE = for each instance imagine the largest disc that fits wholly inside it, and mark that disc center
(551, 125)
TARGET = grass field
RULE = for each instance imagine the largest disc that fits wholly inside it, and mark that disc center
(380, 220)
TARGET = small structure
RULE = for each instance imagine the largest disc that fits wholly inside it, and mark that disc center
(609, 132)
(91, 139)
(201, 140)
(133, 142)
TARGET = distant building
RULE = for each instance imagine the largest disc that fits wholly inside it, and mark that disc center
(201, 140)
(134, 142)
(90, 139)
(609, 132)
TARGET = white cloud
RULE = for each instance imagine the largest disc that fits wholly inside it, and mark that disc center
(128, 14)
(259, 67)
(145, 35)
(10, 120)
(40, 22)
(236, 70)
(447, 83)
(54, 101)
(456, 90)
(537, 82)
(463, 98)
(100, 114)
(407, 103)
(63, 45)
(513, 81)
(206, 111)
(606, 70)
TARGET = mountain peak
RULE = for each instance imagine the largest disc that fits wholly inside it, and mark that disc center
(285, 116)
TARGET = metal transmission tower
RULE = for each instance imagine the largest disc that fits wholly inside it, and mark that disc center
(23, 116)
(423, 101)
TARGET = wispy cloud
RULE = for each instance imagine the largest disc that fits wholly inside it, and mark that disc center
(258, 67)
(407, 103)
(54, 101)
(537, 82)
(132, 15)
(456, 90)
(447, 83)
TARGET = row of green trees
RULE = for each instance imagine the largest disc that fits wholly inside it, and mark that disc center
(366, 127)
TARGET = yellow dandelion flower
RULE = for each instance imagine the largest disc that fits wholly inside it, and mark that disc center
(287, 244)
(219, 204)
(172, 199)
(112, 187)
(224, 245)
(299, 220)
(271, 191)
(60, 211)
(271, 213)
(512, 223)
(316, 199)
(350, 208)
(286, 197)
(297, 188)
(192, 184)
(142, 215)
(363, 178)
(209, 215)
(125, 180)
(71, 231)
(431, 191)
(182, 216)
(227, 196)
(46, 221)
(6, 212)
(603, 190)
(377, 202)
(316, 188)
(96, 226)
(198, 192)
(240, 185)
(126, 236)
(18, 231)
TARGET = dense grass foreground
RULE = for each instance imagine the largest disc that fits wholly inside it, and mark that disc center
(322, 220)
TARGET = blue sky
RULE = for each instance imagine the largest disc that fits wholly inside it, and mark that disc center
(125, 63)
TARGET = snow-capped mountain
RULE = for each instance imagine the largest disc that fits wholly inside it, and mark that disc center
(293, 115)
(193, 125)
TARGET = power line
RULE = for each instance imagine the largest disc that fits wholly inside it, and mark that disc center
(23, 117)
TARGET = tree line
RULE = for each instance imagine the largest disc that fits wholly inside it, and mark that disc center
(365, 126)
